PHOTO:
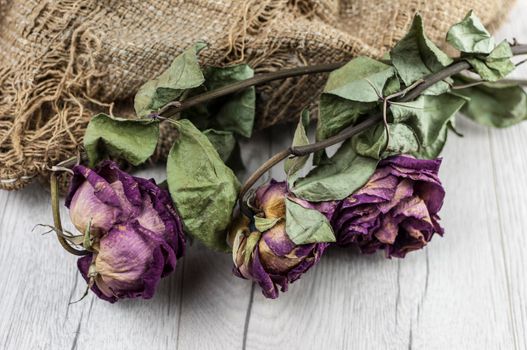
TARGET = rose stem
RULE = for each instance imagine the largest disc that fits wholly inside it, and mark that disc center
(54, 187)
(348, 132)
(173, 108)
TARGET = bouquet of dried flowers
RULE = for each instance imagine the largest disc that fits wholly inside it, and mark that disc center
(379, 191)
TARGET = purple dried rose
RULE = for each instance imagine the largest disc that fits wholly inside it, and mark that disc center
(269, 257)
(395, 211)
(137, 233)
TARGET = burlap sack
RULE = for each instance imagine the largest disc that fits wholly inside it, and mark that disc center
(63, 60)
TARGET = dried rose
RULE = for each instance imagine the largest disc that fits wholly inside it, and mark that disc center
(136, 232)
(396, 210)
(268, 256)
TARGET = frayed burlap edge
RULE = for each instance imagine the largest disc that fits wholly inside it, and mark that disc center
(54, 101)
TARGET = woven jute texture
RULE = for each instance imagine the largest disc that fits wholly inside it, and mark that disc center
(61, 61)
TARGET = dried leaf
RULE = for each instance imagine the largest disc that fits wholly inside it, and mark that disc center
(416, 56)
(494, 104)
(470, 36)
(429, 117)
(223, 141)
(372, 141)
(294, 164)
(351, 91)
(132, 140)
(202, 187)
(495, 66)
(362, 79)
(304, 226)
(235, 112)
(184, 73)
(264, 224)
(338, 177)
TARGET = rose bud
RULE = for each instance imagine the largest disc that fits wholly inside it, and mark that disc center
(269, 257)
(135, 232)
(396, 210)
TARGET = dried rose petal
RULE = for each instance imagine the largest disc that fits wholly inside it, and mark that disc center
(396, 210)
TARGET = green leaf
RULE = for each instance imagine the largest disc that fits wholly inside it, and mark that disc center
(372, 141)
(404, 111)
(495, 66)
(227, 147)
(362, 79)
(304, 226)
(129, 139)
(338, 177)
(223, 141)
(202, 187)
(351, 91)
(470, 36)
(429, 117)
(184, 73)
(416, 56)
(264, 224)
(336, 113)
(494, 104)
(484, 71)
(293, 164)
(235, 112)
(501, 52)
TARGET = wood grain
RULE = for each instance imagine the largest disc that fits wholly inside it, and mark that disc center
(464, 291)
(510, 188)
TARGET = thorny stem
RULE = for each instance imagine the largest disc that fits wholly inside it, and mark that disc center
(350, 131)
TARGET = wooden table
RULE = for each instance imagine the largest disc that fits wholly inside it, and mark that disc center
(467, 290)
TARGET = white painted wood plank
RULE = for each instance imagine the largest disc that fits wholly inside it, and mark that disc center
(37, 277)
(510, 175)
(465, 299)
